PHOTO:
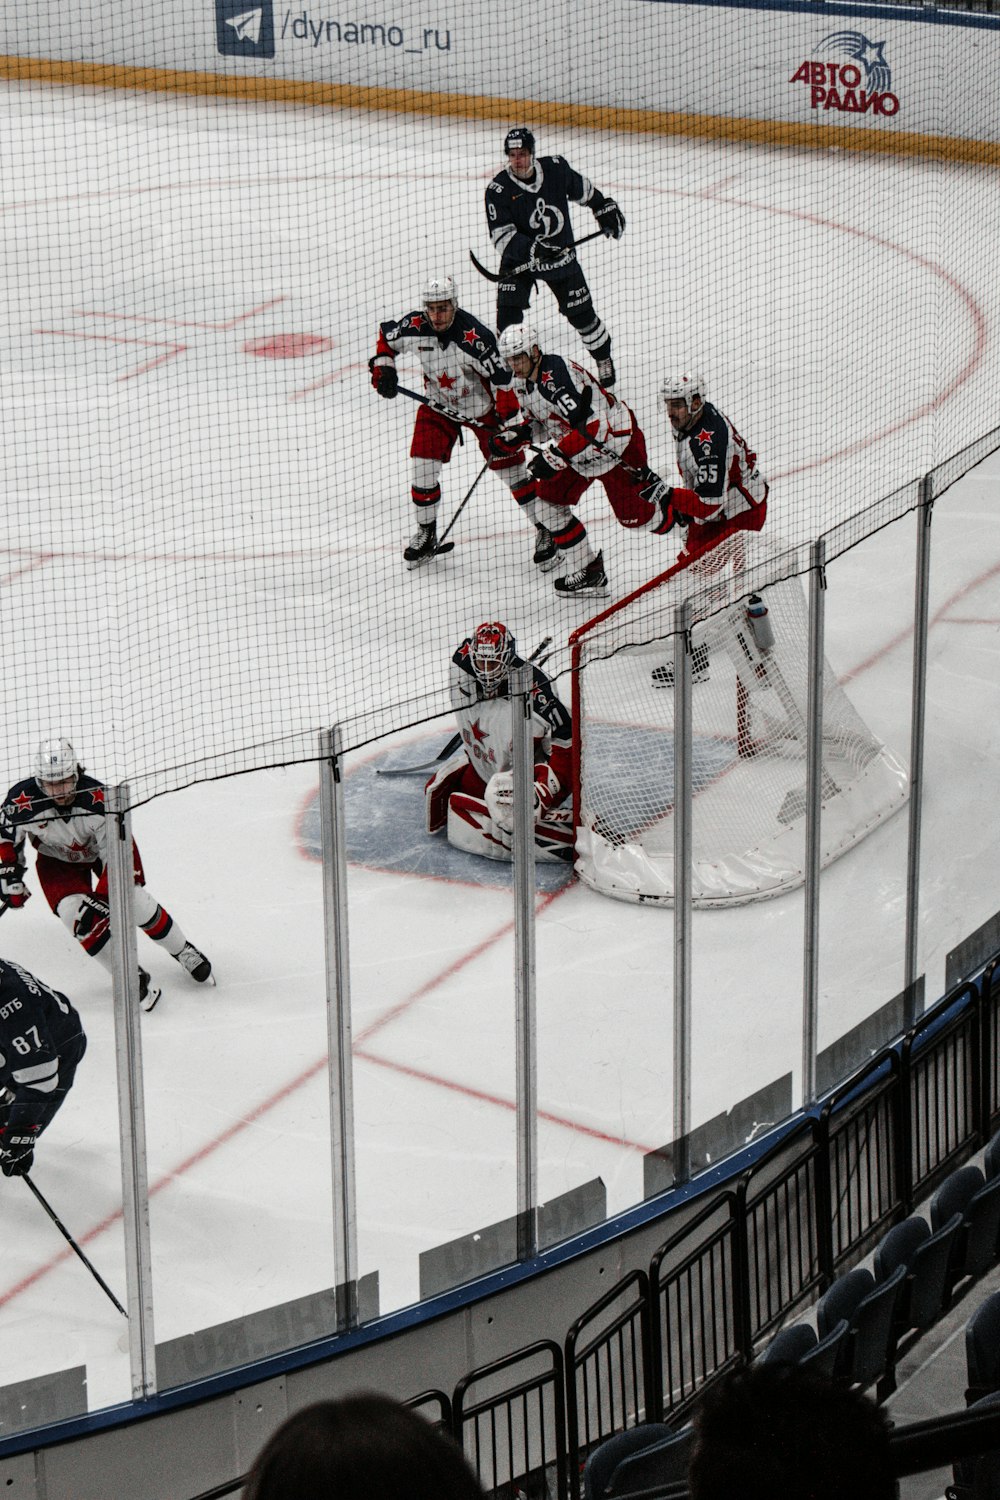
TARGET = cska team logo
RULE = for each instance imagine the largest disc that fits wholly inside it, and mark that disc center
(859, 83)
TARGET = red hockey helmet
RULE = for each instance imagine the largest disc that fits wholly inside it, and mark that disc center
(491, 654)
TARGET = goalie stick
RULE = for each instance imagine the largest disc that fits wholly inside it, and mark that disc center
(538, 657)
(520, 270)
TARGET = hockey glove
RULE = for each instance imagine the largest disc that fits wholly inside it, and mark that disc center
(546, 463)
(384, 377)
(509, 441)
(499, 798)
(12, 887)
(611, 219)
(17, 1156)
(546, 255)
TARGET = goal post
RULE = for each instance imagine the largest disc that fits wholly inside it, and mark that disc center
(749, 662)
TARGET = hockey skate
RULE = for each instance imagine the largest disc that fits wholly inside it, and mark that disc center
(663, 677)
(590, 579)
(196, 964)
(606, 376)
(423, 545)
(546, 552)
(149, 992)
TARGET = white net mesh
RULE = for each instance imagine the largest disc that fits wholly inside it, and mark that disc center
(749, 743)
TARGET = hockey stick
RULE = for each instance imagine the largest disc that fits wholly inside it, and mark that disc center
(539, 657)
(4, 907)
(74, 1246)
(446, 411)
(520, 270)
(443, 545)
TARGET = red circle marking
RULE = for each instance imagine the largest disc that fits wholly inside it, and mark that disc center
(288, 345)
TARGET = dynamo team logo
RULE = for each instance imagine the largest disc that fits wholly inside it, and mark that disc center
(861, 84)
(244, 30)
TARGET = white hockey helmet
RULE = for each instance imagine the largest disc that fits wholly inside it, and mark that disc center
(682, 387)
(518, 338)
(437, 288)
(56, 761)
(491, 652)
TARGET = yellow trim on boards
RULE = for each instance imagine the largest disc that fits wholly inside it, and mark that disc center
(886, 140)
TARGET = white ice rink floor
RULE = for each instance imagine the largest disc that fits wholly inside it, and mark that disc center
(263, 506)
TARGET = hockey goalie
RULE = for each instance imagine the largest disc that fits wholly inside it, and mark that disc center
(472, 795)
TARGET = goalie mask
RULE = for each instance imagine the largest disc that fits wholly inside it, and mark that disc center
(491, 654)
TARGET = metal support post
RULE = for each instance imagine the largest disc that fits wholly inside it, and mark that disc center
(815, 781)
(340, 1063)
(131, 1108)
(523, 756)
(918, 708)
(683, 849)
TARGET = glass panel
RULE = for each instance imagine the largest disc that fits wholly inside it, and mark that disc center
(869, 653)
(960, 862)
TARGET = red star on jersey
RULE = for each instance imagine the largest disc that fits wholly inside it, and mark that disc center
(472, 337)
(547, 378)
(97, 796)
(415, 320)
(446, 381)
(478, 732)
(76, 848)
(22, 802)
(704, 437)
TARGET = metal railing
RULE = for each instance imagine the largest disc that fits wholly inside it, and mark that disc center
(741, 1262)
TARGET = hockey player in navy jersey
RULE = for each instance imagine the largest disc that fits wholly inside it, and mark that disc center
(60, 811)
(41, 1044)
(585, 433)
(463, 374)
(527, 211)
(471, 796)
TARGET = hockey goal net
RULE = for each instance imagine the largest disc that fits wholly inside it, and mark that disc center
(748, 743)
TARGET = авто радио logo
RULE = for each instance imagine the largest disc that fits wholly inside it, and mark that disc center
(245, 29)
(859, 85)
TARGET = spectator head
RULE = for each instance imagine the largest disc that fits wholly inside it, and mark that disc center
(778, 1433)
(357, 1448)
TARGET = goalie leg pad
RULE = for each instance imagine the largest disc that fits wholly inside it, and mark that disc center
(447, 779)
(471, 829)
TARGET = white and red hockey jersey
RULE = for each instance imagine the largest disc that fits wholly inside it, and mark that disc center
(76, 834)
(462, 367)
(719, 471)
(485, 723)
(567, 407)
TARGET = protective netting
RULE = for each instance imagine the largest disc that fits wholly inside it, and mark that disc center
(749, 743)
(206, 502)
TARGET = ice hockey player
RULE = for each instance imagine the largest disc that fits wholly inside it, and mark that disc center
(585, 433)
(722, 494)
(464, 374)
(472, 795)
(527, 211)
(60, 811)
(41, 1044)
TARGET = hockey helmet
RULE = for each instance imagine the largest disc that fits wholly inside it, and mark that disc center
(518, 138)
(683, 386)
(518, 338)
(439, 289)
(56, 762)
(491, 653)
